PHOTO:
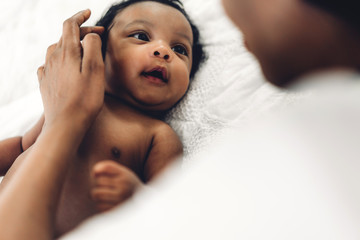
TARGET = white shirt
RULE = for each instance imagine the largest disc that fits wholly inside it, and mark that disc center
(294, 175)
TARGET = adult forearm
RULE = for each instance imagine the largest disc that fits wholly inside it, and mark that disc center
(72, 88)
(31, 195)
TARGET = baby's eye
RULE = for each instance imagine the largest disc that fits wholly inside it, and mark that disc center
(141, 36)
(180, 49)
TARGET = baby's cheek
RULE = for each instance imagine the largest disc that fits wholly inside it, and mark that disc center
(183, 74)
(185, 83)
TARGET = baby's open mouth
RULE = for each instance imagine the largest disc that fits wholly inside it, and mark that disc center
(159, 73)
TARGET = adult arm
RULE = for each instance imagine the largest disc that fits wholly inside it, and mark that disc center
(72, 89)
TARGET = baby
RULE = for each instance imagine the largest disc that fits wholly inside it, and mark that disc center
(151, 49)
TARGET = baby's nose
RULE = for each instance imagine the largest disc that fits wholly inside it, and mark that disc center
(162, 52)
(158, 54)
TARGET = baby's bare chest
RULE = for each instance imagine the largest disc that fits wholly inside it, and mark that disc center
(126, 142)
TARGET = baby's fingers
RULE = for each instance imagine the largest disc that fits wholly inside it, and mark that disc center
(106, 198)
(106, 181)
(102, 207)
(108, 195)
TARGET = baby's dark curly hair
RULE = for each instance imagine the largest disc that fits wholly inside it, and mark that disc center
(197, 48)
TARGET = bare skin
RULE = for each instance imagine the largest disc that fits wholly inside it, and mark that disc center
(27, 195)
(107, 145)
(134, 154)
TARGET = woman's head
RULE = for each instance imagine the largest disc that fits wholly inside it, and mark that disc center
(291, 38)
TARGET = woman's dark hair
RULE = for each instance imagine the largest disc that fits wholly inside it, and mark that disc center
(347, 10)
(197, 48)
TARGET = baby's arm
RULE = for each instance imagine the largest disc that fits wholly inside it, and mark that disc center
(166, 147)
(11, 148)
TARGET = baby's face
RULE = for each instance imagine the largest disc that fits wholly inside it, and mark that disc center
(149, 56)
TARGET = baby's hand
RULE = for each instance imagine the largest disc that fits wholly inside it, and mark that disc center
(113, 184)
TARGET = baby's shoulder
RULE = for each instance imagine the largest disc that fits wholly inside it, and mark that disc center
(162, 127)
(164, 131)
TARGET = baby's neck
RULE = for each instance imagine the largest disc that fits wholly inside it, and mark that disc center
(122, 106)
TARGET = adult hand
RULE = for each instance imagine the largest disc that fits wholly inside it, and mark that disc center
(72, 78)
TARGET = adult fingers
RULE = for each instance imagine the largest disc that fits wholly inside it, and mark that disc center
(71, 29)
(92, 62)
(40, 72)
(49, 52)
(93, 29)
